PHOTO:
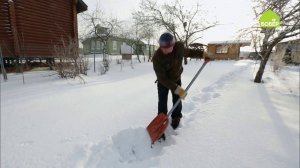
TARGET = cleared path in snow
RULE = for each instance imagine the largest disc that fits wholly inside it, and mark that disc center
(228, 120)
(131, 147)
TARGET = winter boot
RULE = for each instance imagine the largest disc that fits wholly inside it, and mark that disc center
(175, 123)
(162, 138)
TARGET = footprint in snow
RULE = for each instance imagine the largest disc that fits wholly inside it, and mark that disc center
(215, 95)
(205, 97)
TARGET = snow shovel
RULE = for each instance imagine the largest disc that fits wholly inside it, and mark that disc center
(160, 123)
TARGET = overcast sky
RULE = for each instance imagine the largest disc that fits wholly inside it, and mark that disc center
(232, 15)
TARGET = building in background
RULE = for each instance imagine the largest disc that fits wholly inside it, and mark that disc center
(227, 49)
(113, 47)
(289, 49)
(30, 29)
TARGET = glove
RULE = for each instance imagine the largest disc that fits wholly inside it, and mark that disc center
(180, 92)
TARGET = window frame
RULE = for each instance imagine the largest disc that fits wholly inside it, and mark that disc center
(222, 49)
(114, 45)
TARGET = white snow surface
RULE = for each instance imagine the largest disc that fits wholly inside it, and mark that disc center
(228, 120)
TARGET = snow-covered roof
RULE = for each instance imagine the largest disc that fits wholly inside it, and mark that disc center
(231, 42)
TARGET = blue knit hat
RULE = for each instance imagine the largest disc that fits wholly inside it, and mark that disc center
(166, 40)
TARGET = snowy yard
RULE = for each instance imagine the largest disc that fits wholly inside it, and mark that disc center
(228, 122)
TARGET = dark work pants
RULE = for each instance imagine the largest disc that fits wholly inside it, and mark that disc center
(163, 100)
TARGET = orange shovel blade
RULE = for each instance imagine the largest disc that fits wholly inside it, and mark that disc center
(157, 126)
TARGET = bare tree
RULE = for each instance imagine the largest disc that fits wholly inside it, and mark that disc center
(149, 34)
(184, 24)
(134, 37)
(267, 38)
(145, 31)
(71, 64)
(101, 27)
(134, 34)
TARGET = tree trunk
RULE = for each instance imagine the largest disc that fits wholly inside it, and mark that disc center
(138, 57)
(260, 71)
(266, 52)
(150, 56)
(149, 48)
(186, 46)
(137, 49)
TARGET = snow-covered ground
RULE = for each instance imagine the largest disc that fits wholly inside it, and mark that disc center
(228, 121)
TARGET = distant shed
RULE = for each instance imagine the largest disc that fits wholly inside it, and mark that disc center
(226, 49)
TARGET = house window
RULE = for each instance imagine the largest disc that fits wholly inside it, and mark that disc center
(92, 45)
(222, 49)
(98, 45)
(115, 45)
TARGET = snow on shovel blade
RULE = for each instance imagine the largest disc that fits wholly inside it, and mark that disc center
(157, 127)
